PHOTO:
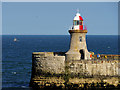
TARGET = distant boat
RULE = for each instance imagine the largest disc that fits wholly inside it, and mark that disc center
(15, 39)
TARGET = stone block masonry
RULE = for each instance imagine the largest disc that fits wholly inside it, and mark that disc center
(50, 67)
(47, 62)
(94, 67)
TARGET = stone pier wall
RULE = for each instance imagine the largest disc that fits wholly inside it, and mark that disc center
(94, 67)
(49, 68)
(48, 62)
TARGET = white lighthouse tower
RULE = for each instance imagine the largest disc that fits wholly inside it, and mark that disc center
(78, 48)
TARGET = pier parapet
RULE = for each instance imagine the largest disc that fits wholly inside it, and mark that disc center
(55, 63)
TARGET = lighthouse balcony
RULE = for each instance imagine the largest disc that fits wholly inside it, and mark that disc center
(78, 31)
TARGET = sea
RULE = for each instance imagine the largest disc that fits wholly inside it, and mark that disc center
(17, 56)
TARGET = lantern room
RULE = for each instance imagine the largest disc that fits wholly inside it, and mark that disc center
(78, 22)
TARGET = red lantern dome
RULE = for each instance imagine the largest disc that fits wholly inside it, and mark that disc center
(80, 18)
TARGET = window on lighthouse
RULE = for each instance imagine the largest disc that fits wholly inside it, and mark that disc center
(77, 22)
(80, 22)
(80, 38)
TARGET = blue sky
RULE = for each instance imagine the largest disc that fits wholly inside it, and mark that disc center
(50, 18)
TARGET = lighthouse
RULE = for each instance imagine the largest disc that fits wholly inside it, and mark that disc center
(78, 48)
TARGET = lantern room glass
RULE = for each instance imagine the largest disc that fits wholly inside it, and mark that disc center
(77, 22)
(80, 22)
(74, 22)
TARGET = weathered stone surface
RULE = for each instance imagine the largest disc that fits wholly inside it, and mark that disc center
(56, 65)
(76, 45)
(49, 68)
(60, 83)
(48, 64)
(94, 67)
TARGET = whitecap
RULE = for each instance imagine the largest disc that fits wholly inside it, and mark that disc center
(23, 86)
(14, 72)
